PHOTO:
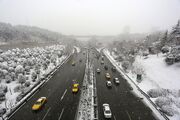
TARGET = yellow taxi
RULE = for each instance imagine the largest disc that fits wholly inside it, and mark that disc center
(75, 88)
(39, 103)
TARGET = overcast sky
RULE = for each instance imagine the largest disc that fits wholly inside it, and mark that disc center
(89, 17)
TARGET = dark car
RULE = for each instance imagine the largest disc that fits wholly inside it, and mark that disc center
(106, 67)
(113, 69)
(116, 81)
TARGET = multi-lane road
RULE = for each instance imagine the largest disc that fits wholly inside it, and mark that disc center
(62, 104)
(123, 103)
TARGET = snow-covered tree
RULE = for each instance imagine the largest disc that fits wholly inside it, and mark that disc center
(125, 65)
(8, 78)
(164, 40)
(175, 35)
(19, 69)
(21, 78)
(27, 84)
(2, 96)
(33, 76)
(13, 75)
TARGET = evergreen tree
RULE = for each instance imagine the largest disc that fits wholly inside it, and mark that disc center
(164, 39)
(175, 34)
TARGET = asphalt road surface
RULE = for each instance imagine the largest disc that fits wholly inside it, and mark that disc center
(123, 103)
(61, 102)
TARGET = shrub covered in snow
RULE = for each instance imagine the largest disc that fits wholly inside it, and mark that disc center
(161, 101)
(21, 78)
(154, 93)
(2, 96)
(21, 67)
(17, 88)
(8, 78)
(168, 110)
(125, 65)
(120, 58)
(3, 88)
(170, 59)
(2, 111)
(33, 76)
(165, 49)
(27, 84)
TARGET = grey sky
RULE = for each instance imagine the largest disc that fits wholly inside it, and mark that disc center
(87, 17)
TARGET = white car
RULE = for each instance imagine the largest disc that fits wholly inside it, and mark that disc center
(116, 80)
(102, 62)
(107, 111)
(98, 70)
(108, 83)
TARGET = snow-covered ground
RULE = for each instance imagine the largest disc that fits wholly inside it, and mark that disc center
(21, 69)
(159, 81)
(99, 49)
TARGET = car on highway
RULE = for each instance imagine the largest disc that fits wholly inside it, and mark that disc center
(73, 63)
(107, 110)
(107, 75)
(108, 83)
(75, 88)
(102, 57)
(113, 69)
(98, 70)
(39, 103)
(106, 67)
(116, 80)
(102, 62)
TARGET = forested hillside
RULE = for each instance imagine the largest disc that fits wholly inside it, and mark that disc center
(20, 33)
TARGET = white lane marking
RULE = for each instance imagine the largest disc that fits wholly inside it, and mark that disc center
(61, 114)
(46, 113)
(63, 94)
(128, 115)
(114, 117)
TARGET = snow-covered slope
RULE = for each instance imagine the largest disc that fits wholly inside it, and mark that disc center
(21, 69)
(159, 73)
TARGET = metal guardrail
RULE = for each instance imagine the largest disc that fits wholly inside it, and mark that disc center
(41, 82)
(142, 92)
(95, 98)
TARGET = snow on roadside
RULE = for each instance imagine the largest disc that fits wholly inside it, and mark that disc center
(25, 68)
(77, 49)
(132, 83)
(163, 75)
(99, 49)
(161, 82)
(85, 108)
